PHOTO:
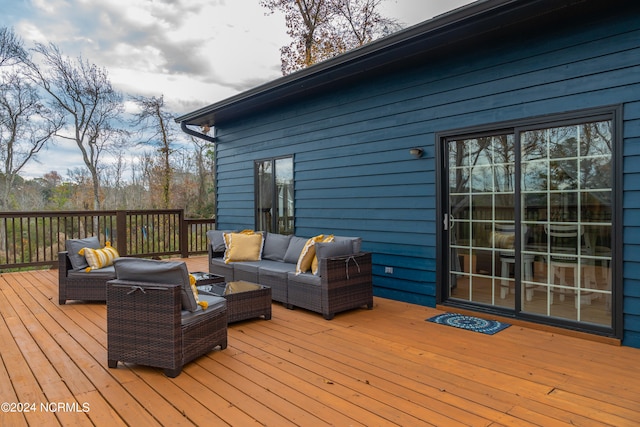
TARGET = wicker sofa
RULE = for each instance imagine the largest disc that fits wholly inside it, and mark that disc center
(343, 280)
(154, 319)
(74, 282)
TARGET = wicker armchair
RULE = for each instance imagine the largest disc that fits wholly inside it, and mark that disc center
(80, 285)
(74, 281)
(148, 325)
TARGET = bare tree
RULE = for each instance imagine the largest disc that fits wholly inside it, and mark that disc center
(83, 94)
(26, 125)
(11, 48)
(321, 29)
(205, 170)
(112, 178)
(155, 122)
(358, 22)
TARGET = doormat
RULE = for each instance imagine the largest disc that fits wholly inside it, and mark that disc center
(469, 323)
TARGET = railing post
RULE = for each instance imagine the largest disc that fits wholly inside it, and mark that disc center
(121, 233)
(184, 236)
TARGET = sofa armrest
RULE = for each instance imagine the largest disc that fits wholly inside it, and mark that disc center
(64, 263)
(346, 283)
(149, 299)
(212, 254)
(346, 268)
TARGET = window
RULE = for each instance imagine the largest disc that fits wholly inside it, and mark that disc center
(274, 195)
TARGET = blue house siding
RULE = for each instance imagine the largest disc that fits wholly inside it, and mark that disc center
(631, 211)
(352, 170)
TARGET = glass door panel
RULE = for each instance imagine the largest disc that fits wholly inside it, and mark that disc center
(566, 178)
(481, 197)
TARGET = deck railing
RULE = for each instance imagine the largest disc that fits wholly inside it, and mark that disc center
(30, 239)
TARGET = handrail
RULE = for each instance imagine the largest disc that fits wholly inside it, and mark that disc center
(33, 239)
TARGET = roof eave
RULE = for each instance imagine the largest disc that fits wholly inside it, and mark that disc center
(448, 28)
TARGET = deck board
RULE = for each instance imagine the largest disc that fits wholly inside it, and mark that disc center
(385, 366)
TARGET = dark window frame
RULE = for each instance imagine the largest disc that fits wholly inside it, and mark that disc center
(609, 112)
(273, 220)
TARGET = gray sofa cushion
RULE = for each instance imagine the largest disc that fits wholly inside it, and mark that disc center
(355, 241)
(335, 248)
(214, 303)
(246, 270)
(332, 249)
(153, 271)
(304, 278)
(108, 272)
(275, 246)
(276, 266)
(216, 239)
(73, 246)
(295, 247)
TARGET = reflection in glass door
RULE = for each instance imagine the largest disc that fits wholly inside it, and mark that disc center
(567, 206)
(529, 221)
(482, 221)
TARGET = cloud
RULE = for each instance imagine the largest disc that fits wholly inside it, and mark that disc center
(194, 52)
(165, 47)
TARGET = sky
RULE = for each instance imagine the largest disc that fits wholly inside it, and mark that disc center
(193, 52)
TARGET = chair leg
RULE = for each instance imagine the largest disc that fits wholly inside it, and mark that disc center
(529, 293)
(504, 282)
(563, 280)
(504, 290)
(559, 271)
(172, 373)
(528, 275)
(112, 363)
(583, 295)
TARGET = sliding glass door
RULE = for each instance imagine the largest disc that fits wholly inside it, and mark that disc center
(529, 220)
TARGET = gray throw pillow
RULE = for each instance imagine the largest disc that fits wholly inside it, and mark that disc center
(73, 246)
(296, 244)
(355, 241)
(275, 246)
(332, 249)
(154, 271)
(216, 239)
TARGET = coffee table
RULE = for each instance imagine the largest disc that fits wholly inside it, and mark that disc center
(203, 278)
(245, 300)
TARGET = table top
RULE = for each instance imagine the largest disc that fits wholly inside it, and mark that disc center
(202, 276)
(228, 288)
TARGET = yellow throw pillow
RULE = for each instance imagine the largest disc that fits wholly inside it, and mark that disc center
(98, 258)
(194, 289)
(314, 264)
(243, 247)
(227, 236)
(308, 253)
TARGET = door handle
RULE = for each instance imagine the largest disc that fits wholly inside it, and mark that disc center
(448, 221)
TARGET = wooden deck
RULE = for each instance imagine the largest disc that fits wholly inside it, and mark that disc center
(386, 366)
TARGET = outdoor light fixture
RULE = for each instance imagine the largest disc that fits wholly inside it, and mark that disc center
(416, 152)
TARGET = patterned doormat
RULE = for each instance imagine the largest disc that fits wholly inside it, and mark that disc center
(470, 323)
